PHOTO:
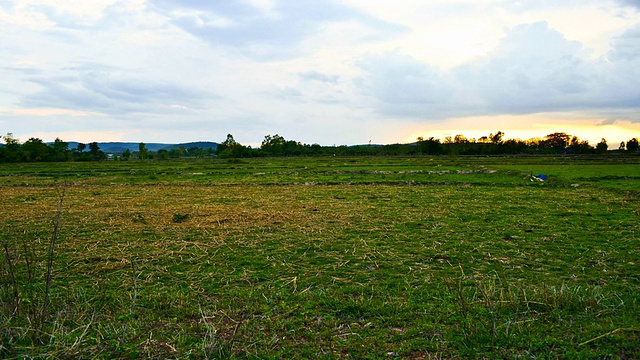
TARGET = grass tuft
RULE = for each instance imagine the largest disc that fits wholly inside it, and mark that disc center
(178, 218)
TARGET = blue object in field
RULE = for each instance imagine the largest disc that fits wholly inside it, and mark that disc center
(542, 177)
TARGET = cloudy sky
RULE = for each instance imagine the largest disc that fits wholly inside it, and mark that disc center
(327, 72)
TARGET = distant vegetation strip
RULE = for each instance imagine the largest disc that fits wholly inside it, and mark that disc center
(36, 150)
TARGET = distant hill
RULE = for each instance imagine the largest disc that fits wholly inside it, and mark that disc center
(120, 147)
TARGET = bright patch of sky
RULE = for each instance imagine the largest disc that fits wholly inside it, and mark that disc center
(328, 72)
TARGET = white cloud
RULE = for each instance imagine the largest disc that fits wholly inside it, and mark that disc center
(48, 112)
(261, 30)
(534, 69)
(105, 93)
(401, 85)
(626, 47)
(317, 76)
(324, 71)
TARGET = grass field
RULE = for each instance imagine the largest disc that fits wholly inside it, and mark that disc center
(413, 258)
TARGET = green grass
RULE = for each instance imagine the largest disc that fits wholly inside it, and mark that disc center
(417, 258)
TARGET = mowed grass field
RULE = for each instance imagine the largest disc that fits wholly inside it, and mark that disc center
(412, 258)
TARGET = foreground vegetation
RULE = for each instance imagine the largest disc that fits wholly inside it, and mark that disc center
(409, 257)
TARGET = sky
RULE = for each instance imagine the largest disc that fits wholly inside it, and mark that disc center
(339, 72)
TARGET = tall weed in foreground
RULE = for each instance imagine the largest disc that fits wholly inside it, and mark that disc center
(25, 312)
(52, 244)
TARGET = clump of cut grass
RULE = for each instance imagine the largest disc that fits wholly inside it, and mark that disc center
(178, 218)
(138, 218)
(493, 314)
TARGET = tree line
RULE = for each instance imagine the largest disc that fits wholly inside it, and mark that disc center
(493, 144)
(35, 150)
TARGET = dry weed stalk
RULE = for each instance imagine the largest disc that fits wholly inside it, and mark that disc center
(13, 305)
(54, 238)
(133, 302)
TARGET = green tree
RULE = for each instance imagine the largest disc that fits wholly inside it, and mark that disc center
(195, 151)
(11, 150)
(94, 148)
(177, 152)
(81, 147)
(126, 154)
(273, 145)
(230, 148)
(230, 141)
(162, 154)
(143, 152)
(95, 152)
(60, 150)
(35, 149)
(10, 140)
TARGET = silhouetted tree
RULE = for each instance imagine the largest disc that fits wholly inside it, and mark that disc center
(430, 146)
(512, 146)
(602, 146)
(632, 145)
(557, 141)
(460, 139)
(497, 137)
(579, 147)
